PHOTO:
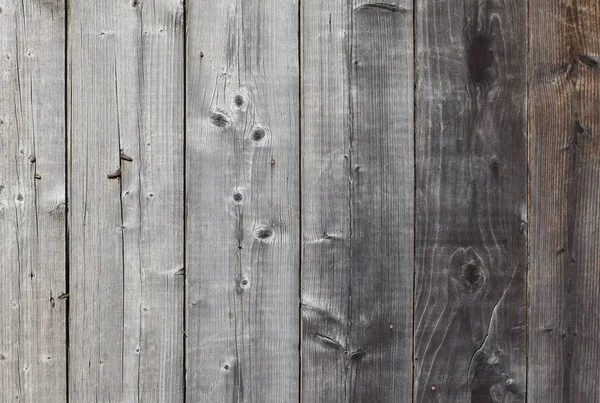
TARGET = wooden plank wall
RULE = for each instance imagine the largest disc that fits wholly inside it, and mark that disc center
(282, 201)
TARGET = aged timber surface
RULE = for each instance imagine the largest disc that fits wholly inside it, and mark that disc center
(471, 215)
(126, 201)
(242, 182)
(357, 171)
(32, 202)
(564, 121)
(299, 201)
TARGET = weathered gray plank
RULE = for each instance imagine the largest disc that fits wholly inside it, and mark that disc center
(564, 349)
(357, 200)
(32, 202)
(126, 195)
(471, 201)
(242, 201)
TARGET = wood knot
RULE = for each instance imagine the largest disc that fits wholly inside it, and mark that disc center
(258, 134)
(219, 119)
(466, 271)
(480, 58)
(238, 197)
(471, 276)
(239, 100)
(262, 233)
(588, 61)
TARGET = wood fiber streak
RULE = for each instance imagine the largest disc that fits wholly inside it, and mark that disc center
(564, 122)
(471, 201)
(32, 202)
(126, 215)
(357, 201)
(243, 187)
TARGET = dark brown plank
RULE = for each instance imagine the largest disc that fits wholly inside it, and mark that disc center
(358, 187)
(471, 201)
(565, 201)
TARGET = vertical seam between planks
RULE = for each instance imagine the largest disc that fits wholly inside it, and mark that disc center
(300, 177)
(66, 178)
(529, 218)
(415, 78)
(184, 126)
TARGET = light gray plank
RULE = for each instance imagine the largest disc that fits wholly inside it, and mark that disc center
(126, 232)
(564, 122)
(357, 200)
(32, 211)
(242, 201)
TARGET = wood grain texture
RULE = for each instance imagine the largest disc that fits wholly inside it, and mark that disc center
(126, 197)
(564, 121)
(32, 202)
(357, 200)
(471, 216)
(242, 185)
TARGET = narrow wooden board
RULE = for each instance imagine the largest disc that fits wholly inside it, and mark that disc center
(471, 216)
(242, 179)
(357, 202)
(564, 121)
(32, 202)
(126, 197)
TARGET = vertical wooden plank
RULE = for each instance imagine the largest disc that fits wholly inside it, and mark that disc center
(471, 216)
(564, 122)
(358, 184)
(32, 201)
(126, 194)
(242, 201)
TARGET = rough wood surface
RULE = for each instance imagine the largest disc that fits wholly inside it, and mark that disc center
(564, 121)
(278, 201)
(471, 216)
(242, 180)
(357, 200)
(126, 201)
(32, 202)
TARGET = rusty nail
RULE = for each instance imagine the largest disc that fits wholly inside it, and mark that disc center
(125, 157)
(116, 174)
